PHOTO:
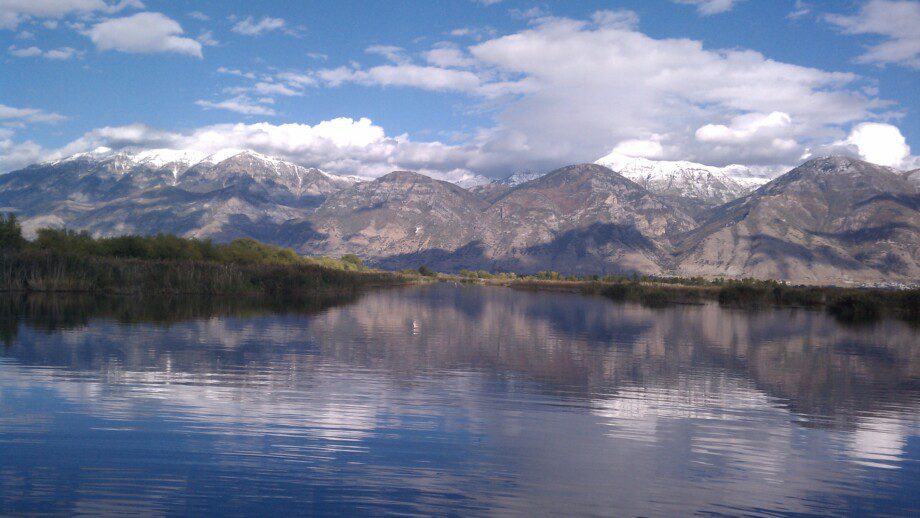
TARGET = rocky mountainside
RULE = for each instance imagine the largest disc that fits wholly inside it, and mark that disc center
(583, 218)
(165, 191)
(831, 220)
(397, 215)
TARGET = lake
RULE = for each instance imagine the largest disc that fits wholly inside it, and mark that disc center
(444, 399)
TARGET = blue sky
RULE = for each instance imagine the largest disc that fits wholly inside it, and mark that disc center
(464, 87)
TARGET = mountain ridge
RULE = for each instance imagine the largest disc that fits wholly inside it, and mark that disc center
(832, 219)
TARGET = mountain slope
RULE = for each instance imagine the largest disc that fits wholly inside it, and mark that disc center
(830, 220)
(401, 213)
(583, 218)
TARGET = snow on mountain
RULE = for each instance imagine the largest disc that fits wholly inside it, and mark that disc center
(518, 178)
(914, 177)
(164, 157)
(182, 160)
(469, 181)
(709, 184)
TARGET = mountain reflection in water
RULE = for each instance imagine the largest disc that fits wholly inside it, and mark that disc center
(474, 400)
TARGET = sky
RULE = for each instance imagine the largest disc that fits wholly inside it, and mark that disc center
(464, 87)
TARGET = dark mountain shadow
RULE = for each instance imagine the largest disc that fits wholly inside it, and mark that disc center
(469, 256)
(584, 249)
(911, 202)
(595, 235)
(866, 234)
(772, 248)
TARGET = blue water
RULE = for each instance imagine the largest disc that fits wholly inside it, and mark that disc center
(454, 400)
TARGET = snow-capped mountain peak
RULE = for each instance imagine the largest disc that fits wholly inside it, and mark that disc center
(164, 157)
(705, 183)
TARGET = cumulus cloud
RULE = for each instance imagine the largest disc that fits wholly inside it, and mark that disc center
(880, 143)
(710, 7)
(568, 91)
(753, 136)
(14, 12)
(250, 27)
(16, 155)
(897, 21)
(593, 85)
(640, 148)
(143, 33)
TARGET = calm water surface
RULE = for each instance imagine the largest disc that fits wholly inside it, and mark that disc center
(459, 400)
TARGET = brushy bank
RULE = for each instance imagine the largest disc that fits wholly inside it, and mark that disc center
(67, 261)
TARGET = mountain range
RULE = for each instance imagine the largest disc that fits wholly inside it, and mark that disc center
(831, 220)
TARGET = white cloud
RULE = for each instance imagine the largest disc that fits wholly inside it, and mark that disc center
(207, 39)
(710, 7)
(640, 148)
(26, 52)
(565, 91)
(475, 33)
(447, 54)
(143, 33)
(390, 52)
(235, 72)
(296, 79)
(623, 19)
(15, 155)
(879, 143)
(593, 85)
(60, 53)
(265, 88)
(13, 12)
(28, 114)
(753, 136)
(342, 145)
(426, 77)
(898, 21)
(240, 104)
(198, 15)
(250, 27)
(799, 10)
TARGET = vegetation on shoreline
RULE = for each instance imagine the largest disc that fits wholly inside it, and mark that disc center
(67, 261)
(845, 303)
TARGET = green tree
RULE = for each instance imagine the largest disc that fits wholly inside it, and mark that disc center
(353, 260)
(11, 233)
